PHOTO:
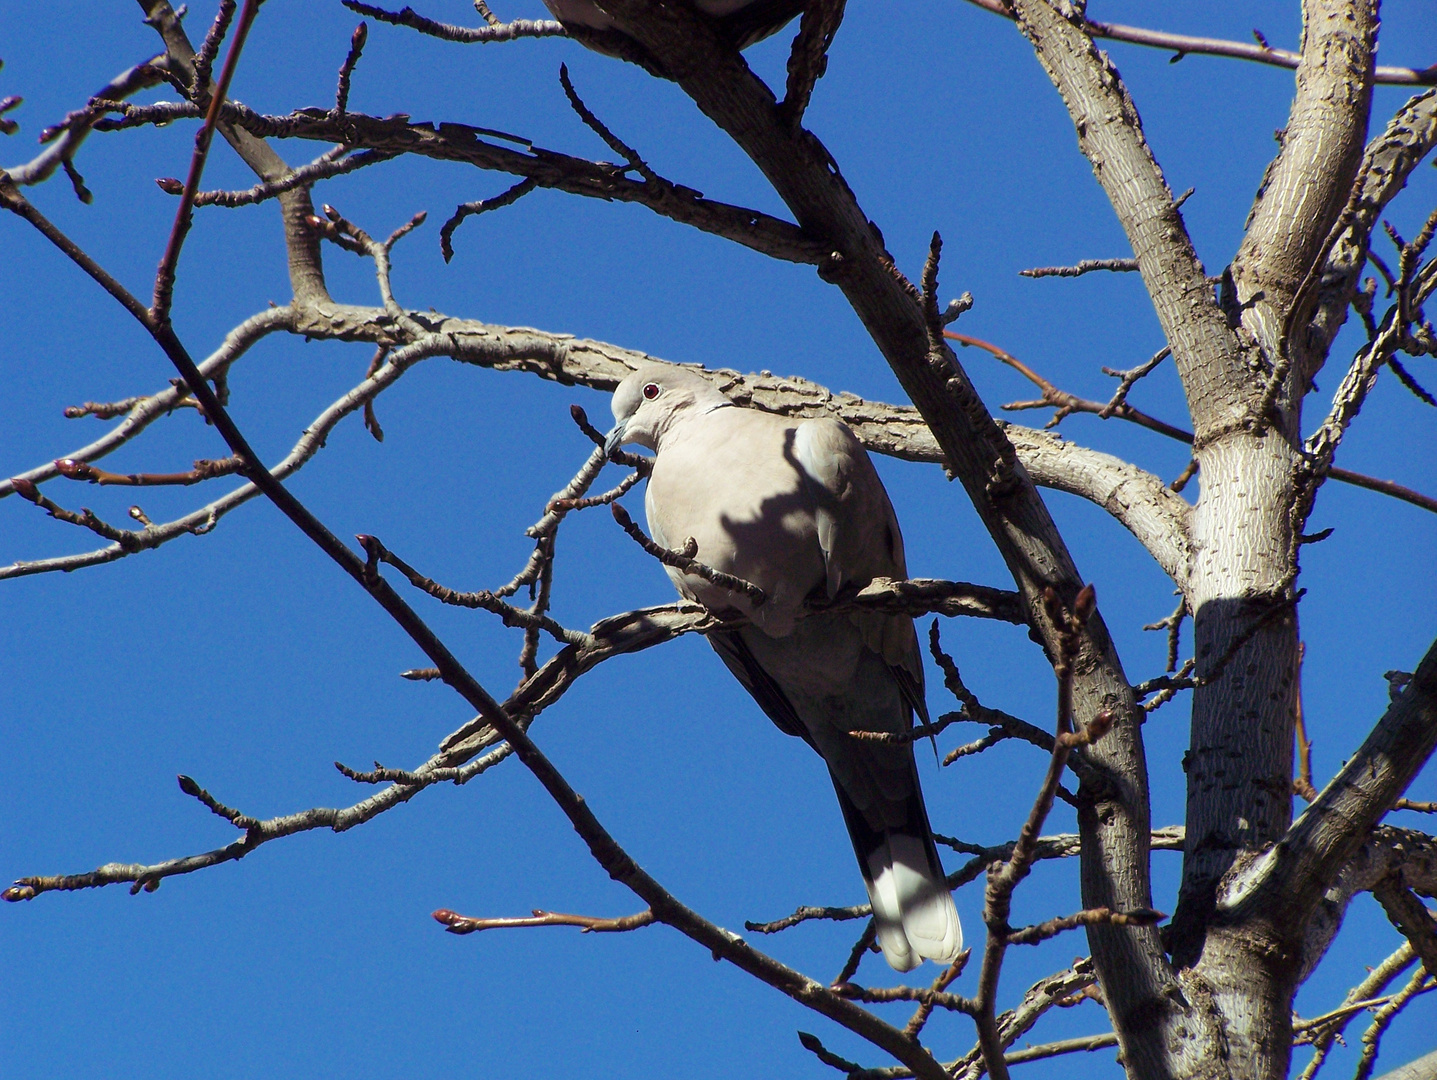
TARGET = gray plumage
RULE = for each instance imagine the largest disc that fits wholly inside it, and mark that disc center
(796, 507)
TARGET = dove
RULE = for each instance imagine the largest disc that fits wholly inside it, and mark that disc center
(796, 507)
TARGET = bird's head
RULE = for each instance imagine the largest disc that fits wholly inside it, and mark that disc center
(647, 403)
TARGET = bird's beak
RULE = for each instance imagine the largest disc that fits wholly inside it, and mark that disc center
(615, 438)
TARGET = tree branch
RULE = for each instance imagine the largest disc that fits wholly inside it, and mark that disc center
(495, 31)
(1283, 887)
(1184, 44)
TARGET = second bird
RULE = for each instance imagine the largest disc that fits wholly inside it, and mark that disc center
(796, 508)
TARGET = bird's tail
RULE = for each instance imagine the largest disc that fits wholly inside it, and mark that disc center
(913, 908)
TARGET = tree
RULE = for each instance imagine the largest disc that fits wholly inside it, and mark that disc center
(1261, 896)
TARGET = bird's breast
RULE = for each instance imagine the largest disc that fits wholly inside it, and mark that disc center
(733, 488)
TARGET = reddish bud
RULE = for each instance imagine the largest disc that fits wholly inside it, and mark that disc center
(169, 185)
(17, 892)
(74, 470)
(26, 489)
(359, 37)
(188, 786)
(1100, 725)
(1086, 602)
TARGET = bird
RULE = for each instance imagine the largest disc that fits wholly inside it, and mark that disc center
(741, 22)
(795, 507)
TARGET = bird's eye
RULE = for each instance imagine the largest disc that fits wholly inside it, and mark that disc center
(651, 391)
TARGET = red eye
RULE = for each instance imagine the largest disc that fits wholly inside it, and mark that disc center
(651, 391)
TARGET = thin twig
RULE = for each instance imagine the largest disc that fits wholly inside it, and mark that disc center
(1040, 932)
(1372, 1037)
(201, 470)
(1184, 44)
(159, 311)
(589, 924)
(495, 31)
(940, 984)
(346, 69)
(1086, 266)
(511, 616)
(479, 206)
(1004, 877)
(684, 561)
(1066, 404)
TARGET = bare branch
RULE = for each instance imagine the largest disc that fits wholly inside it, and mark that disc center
(64, 138)
(165, 273)
(332, 163)
(1085, 266)
(495, 31)
(924, 995)
(346, 69)
(1041, 932)
(511, 616)
(684, 561)
(1082, 1044)
(945, 979)
(1065, 404)
(808, 56)
(1004, 877)
(1286, 884)
(1411, 917)
(1184, 44)
(202, 470)
(460, 142)
(480, 206)
(1372, 1037)
(464, 924)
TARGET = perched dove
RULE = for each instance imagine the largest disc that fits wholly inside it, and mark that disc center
(796, 507)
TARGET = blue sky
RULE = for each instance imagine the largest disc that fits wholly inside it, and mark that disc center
(246, 660)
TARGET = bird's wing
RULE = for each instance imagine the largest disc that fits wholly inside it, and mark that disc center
(762, 686)
(858, 532)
